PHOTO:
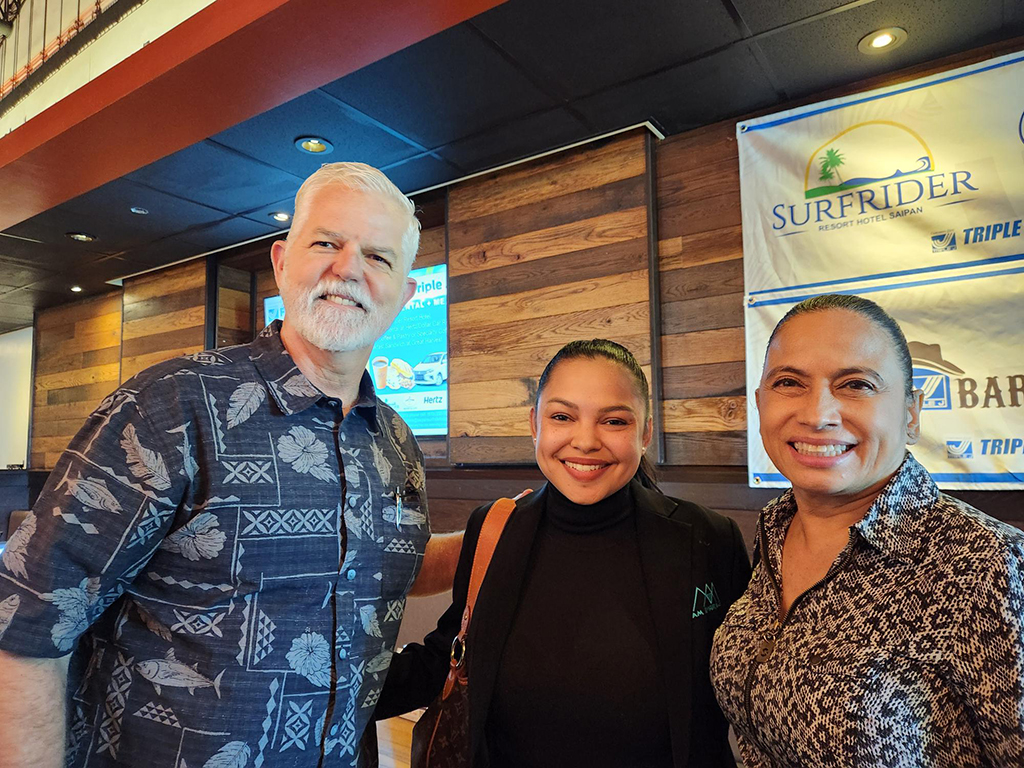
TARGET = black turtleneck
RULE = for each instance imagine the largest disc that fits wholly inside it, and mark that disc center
(578, 682)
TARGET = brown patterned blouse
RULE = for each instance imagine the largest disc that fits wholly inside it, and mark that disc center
(910, 652)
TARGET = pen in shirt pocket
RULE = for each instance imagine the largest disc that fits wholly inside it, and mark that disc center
(398, 506)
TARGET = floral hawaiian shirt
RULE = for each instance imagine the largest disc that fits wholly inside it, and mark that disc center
(227, 557)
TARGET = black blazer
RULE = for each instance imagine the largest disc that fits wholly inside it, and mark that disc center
(695, 565)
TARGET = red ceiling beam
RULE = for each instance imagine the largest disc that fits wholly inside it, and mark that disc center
(232, 60)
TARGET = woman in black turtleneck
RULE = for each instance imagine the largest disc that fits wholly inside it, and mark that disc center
(590, 638)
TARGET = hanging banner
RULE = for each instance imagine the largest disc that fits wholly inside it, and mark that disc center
(911, 196)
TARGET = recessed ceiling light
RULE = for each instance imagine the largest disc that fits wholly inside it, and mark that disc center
(76, 289)
(280, 216)
(882, 40)
(138, 211)
(81, 237)
(314, 145)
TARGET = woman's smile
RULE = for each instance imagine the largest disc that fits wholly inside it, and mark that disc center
(817, 453)
(585, 470)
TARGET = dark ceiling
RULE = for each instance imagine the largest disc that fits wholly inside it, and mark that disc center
(527, 76)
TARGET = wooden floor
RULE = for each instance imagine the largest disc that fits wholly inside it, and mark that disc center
(394, 739)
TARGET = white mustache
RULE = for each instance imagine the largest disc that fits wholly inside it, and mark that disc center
(337, 288)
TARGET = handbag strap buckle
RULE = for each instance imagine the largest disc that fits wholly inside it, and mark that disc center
(458, 655)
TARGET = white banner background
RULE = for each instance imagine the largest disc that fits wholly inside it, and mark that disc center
(912, 196)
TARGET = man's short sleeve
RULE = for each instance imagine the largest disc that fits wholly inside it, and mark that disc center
(105, 508)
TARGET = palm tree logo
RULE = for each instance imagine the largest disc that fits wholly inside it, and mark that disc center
(830, 163)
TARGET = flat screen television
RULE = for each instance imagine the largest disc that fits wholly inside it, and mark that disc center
(273, 309)
(409, 363)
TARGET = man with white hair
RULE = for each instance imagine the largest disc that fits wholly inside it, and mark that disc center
(222, 554)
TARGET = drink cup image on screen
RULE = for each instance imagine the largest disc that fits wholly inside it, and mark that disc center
(380, 371)
(432, 370)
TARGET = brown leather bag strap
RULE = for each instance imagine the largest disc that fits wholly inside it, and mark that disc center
(490, 533)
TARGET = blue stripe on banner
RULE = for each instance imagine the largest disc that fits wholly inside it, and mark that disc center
(939, 477)
(899, 273)
(908, 89)
(893, 287)
(977, 477)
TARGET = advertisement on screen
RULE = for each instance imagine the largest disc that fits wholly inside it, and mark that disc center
(273, 309)
(409, 363)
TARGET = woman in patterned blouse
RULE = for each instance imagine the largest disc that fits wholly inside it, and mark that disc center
(884, 623)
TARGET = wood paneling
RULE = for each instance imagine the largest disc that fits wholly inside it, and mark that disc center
(706, 414)
(712, 380)
(513, 363)
(601, 261)
(540, 255)
(612, 227)
(701, 265)
(599, 293)
(433, 248)
(234, 306)
(605, 322)
(164, 316)
(552, 177)
(78, 353)
(720, 345)
(507, 393)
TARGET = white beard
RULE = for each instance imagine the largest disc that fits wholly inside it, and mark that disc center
(335, 328)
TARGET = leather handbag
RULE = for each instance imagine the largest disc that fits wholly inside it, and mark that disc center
(440, 739)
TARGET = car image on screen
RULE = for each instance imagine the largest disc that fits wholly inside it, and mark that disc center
(432, 370)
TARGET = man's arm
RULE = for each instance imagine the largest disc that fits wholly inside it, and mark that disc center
(418, 672)
(439, 562)
(71, 558)
(32, 711)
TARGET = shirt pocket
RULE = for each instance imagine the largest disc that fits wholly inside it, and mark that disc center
(405, 532)
(857, 662)
(859, 680)
(882, 699)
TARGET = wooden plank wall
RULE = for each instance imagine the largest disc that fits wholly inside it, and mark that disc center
(78, 361)
(433, 248)
(164, 316)
(539, 255)
(234, 306)
(266, 287)
(700, 254)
